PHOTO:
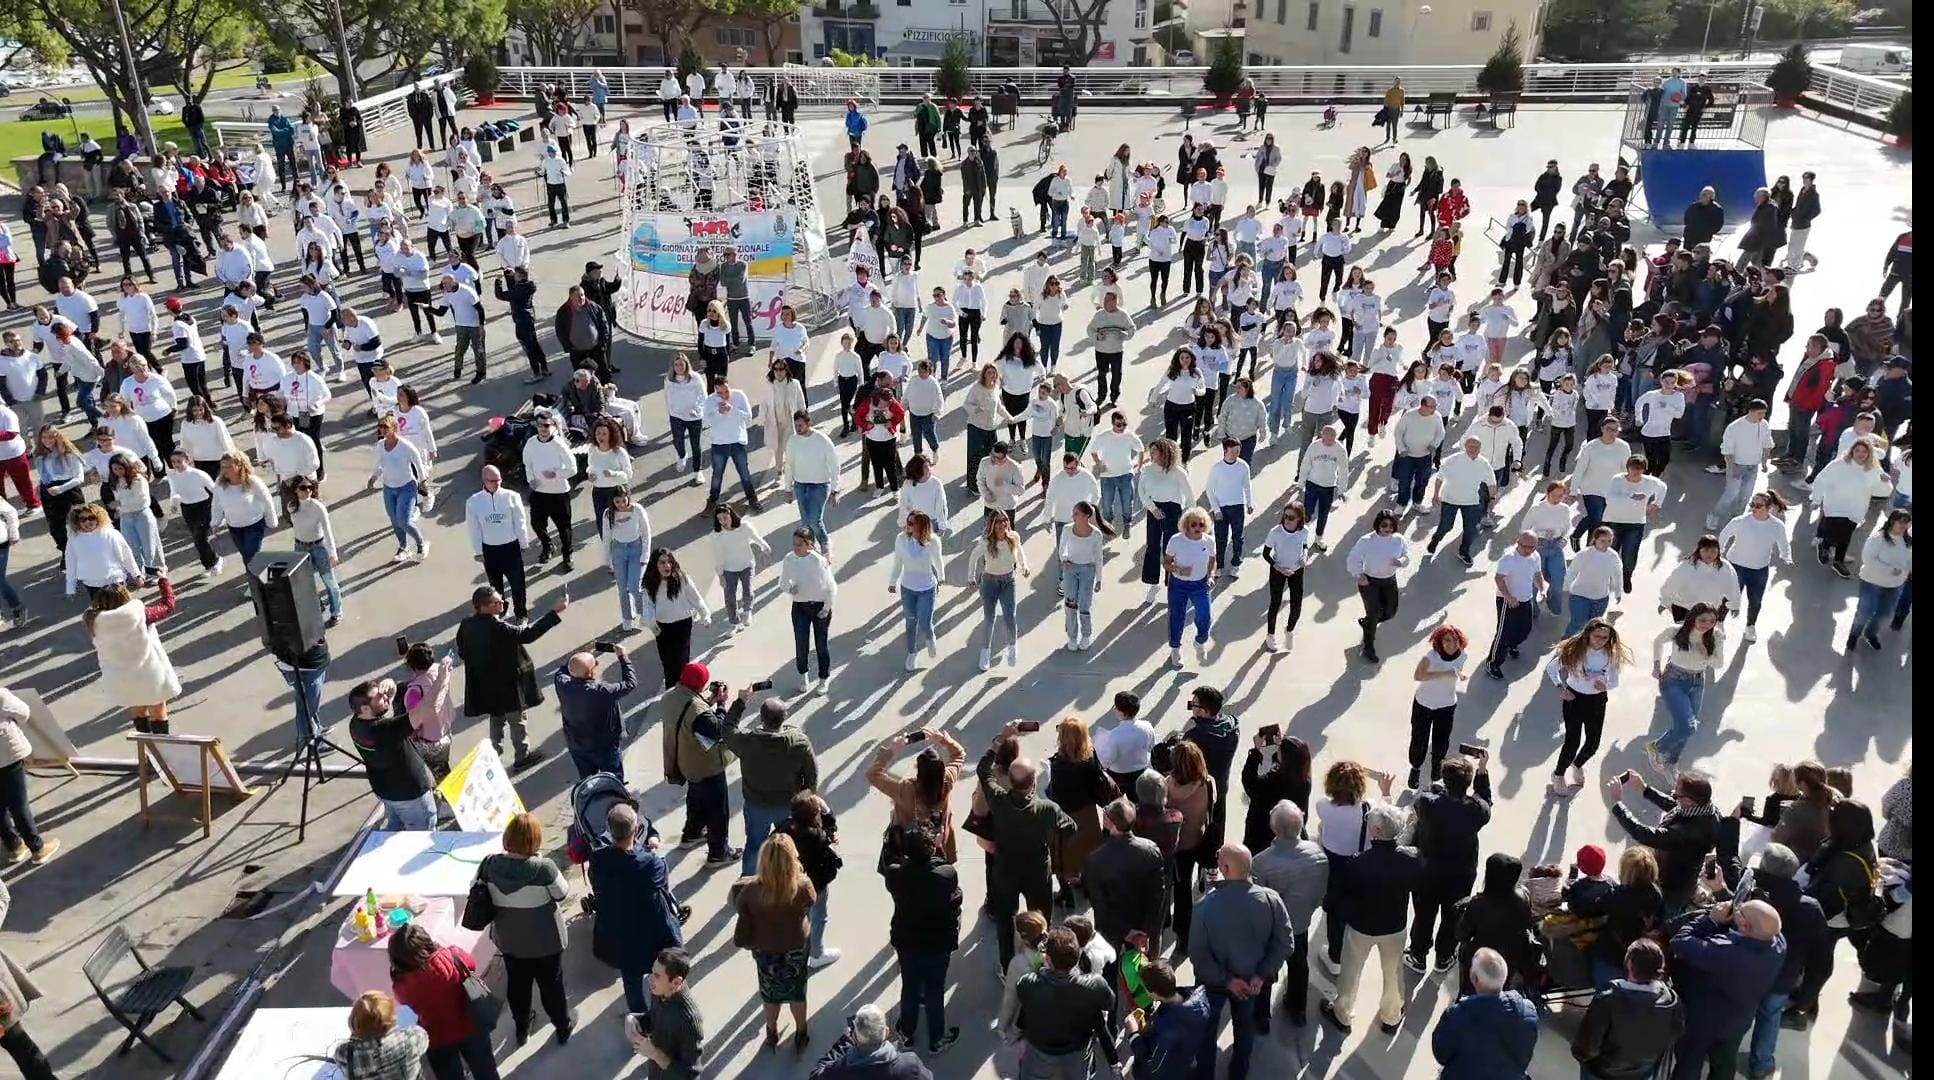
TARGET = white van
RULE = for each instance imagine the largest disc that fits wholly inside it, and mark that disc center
(1877, 59)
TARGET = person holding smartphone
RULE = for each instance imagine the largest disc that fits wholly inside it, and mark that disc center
(589, 709)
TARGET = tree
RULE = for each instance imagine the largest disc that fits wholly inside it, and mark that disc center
(1604, 29)
(381, 37)
(1079, 28)
(27, 35)
(552, 27)
(769, 18)
(1900, 118)
(1791, 75)
(952, 78)
(1504, 71)
(1826, 17)
(201, 41)
(1225, 67)
(177, 40)
(671, 21)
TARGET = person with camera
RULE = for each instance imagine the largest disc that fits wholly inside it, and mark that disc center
(396, 772)
(866, 1052)
(500, 679)
(776, 764)
(1023, 826)
(695, 758)
(1802, 921)
(590, 710)
(1685, 833)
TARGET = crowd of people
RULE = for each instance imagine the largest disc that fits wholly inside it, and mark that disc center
(1108, 857)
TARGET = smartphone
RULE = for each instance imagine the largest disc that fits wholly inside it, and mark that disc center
(762, 685)
(718, 690)
(603, 647)
(912, 737)
(402, 645)
(1748, 806)
(1028, 725)
(1270, 733)
(1470, 750)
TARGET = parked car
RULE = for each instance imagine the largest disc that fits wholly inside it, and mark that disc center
(161, 107)
(1876, 59)
(1182, 58)
(47, 109)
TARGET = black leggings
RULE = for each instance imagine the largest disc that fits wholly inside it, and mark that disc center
(1558, 434)
(1658, 454)
(548, 973)
(849, 387)
(1278, 583)
(1158, 280)
(1178, 424)
(1584, 715)
(970, 319)
(1430, 728)
(1107, 376)
(884, 457)
(1836, 536)
(674, 648)
(9, 291)
(550, 508)
(421, 310)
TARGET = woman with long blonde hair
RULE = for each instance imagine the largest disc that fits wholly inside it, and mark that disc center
(918, 566)
(991, 567)
(774, 906)
(135, 670)
(1584, 668)
(1080, 787)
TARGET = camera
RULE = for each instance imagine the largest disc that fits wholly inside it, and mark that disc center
(762, 685)
(603, 647)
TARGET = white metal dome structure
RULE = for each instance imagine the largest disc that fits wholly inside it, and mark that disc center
(694, 189)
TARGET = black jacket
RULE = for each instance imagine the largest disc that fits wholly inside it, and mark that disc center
(1630, 912)
(521, 296)
(926, 907)
(1124, 879)
(1703, 222)
(1380, 883)
(1680, 840)
(1808, 943)
(1062, 1012)
(1764, 230)
(1806, 207)
(498, 676)
(1545, 190)
(1628, 1027)
(1447, 827)
(1264, 790)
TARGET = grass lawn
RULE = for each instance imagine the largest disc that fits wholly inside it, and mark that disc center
(21, 138)
(241, 74)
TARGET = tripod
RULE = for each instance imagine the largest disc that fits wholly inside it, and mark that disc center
(309, 754)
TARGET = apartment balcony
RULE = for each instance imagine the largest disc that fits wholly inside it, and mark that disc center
(1031, 13)
(850, 10)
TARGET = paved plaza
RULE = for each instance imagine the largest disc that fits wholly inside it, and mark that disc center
(1794, 694)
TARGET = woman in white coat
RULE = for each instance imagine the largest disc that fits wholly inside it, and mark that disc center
(786, 395)
(1842, 492)
(135, 671)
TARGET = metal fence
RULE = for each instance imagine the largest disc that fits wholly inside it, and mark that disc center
(1849, 90)
(814, 85)
(391, 109)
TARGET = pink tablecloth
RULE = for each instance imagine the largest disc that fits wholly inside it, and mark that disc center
(355, 966)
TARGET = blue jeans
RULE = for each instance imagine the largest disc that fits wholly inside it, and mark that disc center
(917, 606)
(1042, 447)
(1584, 610)
(1058, 220)
(760, 820)
(399, 503)
(1050, 342)
(1412, 475)
(903, 322)
(410, 815)
(1752, 582)
(812, 508)
(737, 586)
(1078, 597)
(997, 591)
(925, 428)
(735, 454)
(84, 397)
(7, 594)
(1228, 535)
(923, 987)
(1118, 500)
(139, 531)
(1318, 499)
(1552, 554)
(248, 539)
(1183, 595)
(628, 566)
(941, 352)
(318, 553)
(1876, 603)
(685, 438)
(1766, 1033)
(308, 713)
(1740, 480)
(1682, 696)
(1270, 271)
(1242, 1017)
(1594, 513)
(1282, 397)
(816, 922)
(319, 338)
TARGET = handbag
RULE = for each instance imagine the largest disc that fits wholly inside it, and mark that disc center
(479, 910)
(485, 1006)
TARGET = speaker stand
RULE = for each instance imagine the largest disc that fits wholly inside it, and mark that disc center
(309, 757)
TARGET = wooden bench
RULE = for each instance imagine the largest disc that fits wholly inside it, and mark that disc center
(1440, 104)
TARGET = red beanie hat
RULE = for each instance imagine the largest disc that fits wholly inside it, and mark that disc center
(173, 304)
(1591, 860)
(695, 675)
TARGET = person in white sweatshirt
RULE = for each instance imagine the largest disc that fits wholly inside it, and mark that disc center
(1070, 486)
(1595, 578)
(1287, 551)
(97, 555)
(404, 476)
(1599, 461)
(812, 471)
(806, 577)
(1164, 491)
(923, 493)
(1320, 470)
(684, 408)
(1584, 667)
(1374, 561)
(736, 549)
(1745, 447)
(1886, 562)
(243, 506)
(549, 467)
(918, 567)
(1752, 542)
(1842, 492)
(673, 606)
(1703, 577)
(1079, 550)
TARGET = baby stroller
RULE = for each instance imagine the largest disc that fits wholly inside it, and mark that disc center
(504, 438)
(592, 800)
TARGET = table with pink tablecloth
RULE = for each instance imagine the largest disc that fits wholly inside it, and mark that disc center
(356, 966)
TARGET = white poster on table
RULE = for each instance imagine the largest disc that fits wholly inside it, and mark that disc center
(479, 792)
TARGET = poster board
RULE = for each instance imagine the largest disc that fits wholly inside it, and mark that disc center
(480, 793)
(293, 1044)
(195, 766)
(417, 863)
(48, 740)
(661, 248)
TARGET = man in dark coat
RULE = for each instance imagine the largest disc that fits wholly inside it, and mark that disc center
(990, 167)
(590, 713)
(499, 680)
(422, 117)
(1687, 830)
(1632, 1024)
(397, 775)
(637, 914)
(1123, 879)
(583, 331)
(1724, 961)
(1704, 218)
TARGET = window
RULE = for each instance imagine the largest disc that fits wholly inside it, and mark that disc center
(1315, 9)
(736, 37)
(1282, 12)
(604, 24)
(1480, 22)
(1141, 16)
(1376, 23)
(1349, 30)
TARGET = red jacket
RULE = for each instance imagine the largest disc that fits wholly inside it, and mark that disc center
(1813, 385)
(1451, 206)
(863, 415)
(435, 991)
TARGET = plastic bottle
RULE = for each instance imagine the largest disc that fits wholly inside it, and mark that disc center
(365, 931)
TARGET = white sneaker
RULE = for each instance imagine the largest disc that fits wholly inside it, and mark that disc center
(1087, 641)
(809, 684)
(402, 556)
(436, 338)
(823, 959)
(1201, 652)
(913, 661)
(342, 375)
(1269, 643)
(422, 551)
(1013, 656)
(216, 570)
(933, 648)
(627, 625)
(1074, 643)
(1154, 591)
(986, 659)
(825, 685)
(1751, 634)
(1175, 658)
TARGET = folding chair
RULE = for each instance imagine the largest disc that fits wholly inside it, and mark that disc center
(136, 1005)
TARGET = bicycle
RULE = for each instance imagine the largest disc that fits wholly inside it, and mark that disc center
(1046, 150)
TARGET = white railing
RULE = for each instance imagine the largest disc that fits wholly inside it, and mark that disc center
(1850, 90)
(814, 85)
(391, 107)
(1322, 82)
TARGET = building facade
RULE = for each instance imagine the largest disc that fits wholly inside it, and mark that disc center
(617, 36)
(1000, 33)
(1369, 31)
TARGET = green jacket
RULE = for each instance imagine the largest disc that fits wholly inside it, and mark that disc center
(1025, 825)
(774, 765)
(926, 118)
(689, 717)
